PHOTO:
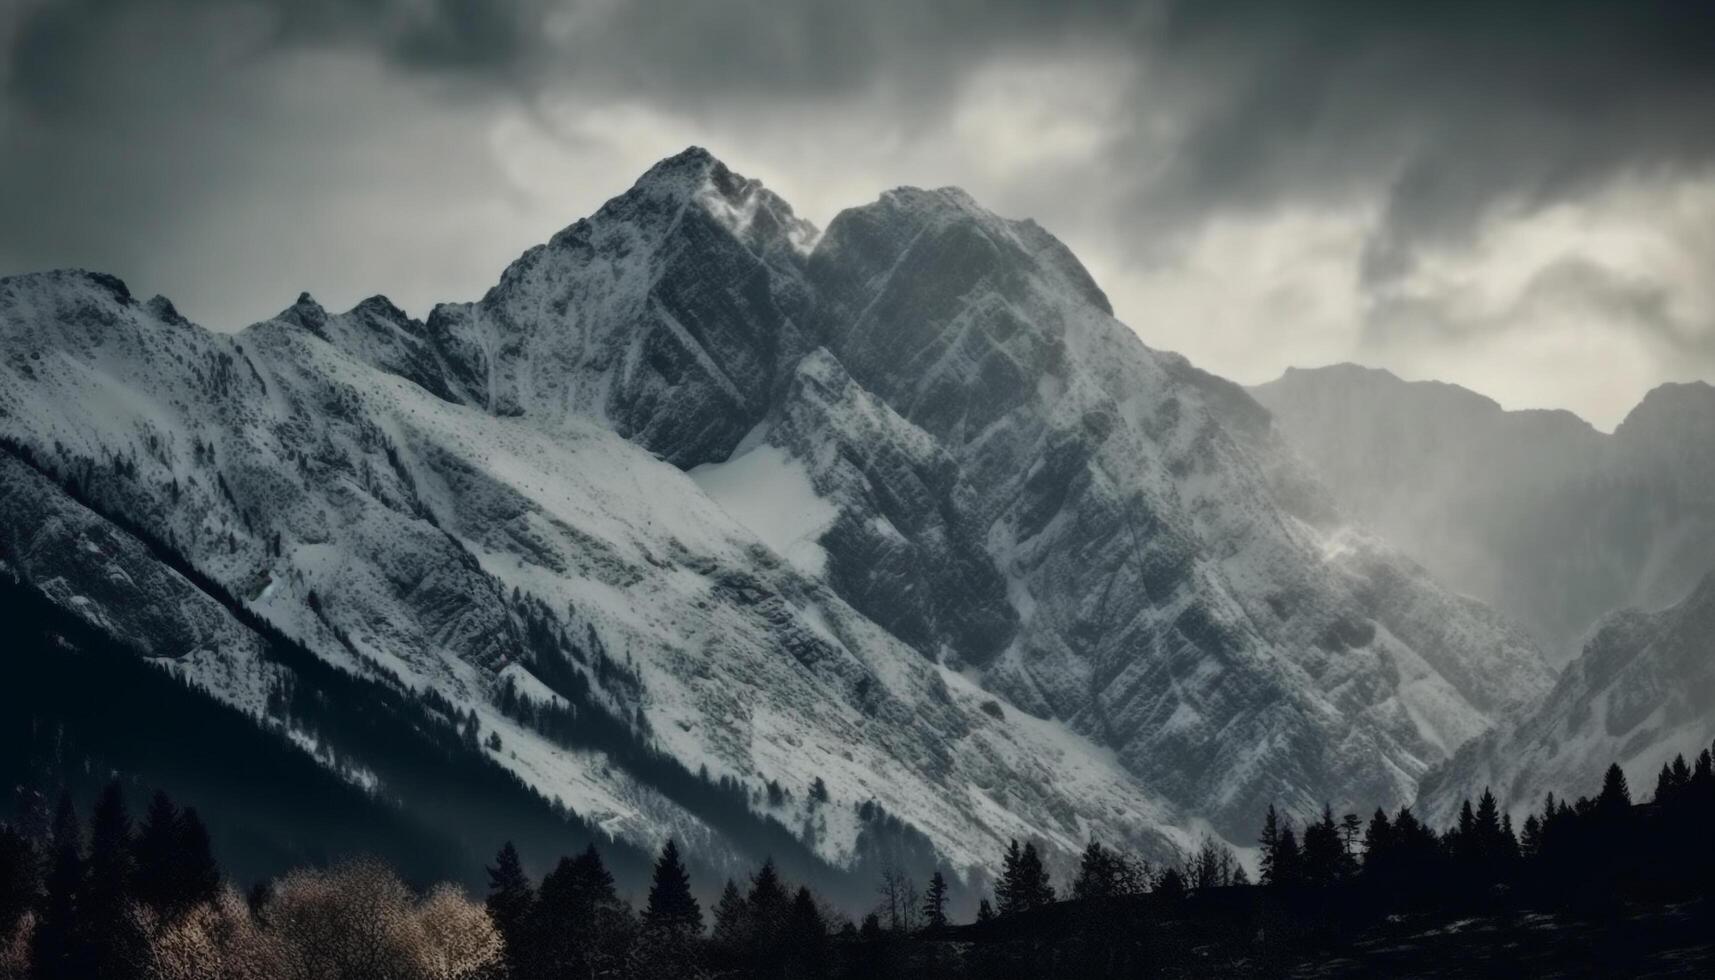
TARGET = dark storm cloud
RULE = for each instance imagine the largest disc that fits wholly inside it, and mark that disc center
(1643, 305)
(1444, 108)
(130, 129)
(55, 63)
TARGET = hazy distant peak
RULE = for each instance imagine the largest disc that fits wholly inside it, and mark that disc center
(1671, 404)
(1348, 379)
(1349, 376)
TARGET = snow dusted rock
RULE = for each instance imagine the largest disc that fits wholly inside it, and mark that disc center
(671, 313)
(88, 566)
(379, 333)
(1161, 547)
(1643, 691)
(897, 539)
(901, 507)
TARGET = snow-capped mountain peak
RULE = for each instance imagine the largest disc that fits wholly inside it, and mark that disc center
(899, 506)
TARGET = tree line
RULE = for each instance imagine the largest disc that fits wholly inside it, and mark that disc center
(145, 900)
(1606, 845)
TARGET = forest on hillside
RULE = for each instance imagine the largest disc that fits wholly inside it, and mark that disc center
(1622, 880)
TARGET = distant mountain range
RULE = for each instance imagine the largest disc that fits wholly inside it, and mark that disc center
(1602, 545)
(879, 542)
(1642, 692)
(1536, 513)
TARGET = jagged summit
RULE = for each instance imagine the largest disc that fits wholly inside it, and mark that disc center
(304, 312)
(690, 165)
(382, 307)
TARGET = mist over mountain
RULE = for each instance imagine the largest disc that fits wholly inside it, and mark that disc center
(884, 541)
(1534, 512)
(1641, 693)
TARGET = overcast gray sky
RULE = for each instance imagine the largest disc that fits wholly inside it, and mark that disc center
(1518, 197)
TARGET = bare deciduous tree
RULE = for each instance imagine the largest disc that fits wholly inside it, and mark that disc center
(900, 906)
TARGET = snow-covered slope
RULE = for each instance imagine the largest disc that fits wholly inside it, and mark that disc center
(95, 569)
(387, 529)
(1534, 512)
(899, 506)
(1642, 692)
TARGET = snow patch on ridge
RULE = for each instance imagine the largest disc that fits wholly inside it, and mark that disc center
(769, 492)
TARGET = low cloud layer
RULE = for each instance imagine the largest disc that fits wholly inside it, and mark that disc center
(1518, 197)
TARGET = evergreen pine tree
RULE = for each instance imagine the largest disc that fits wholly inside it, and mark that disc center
(1508, 854)
(1462, 841)
(1098, 874)
(1288, 864)
(767, 908)
(110, 869)
(985, 910)
(18, 878)
(1324, 854)
(732, 920)
(1351, 832)
(157, 839)
(1681, 772)
(1034, 889)
(1378, 844)
(153, 849)
(1615, 799)
(1530, 841)
(580, 926)
(671, 904)
(1008, 894)
(1664, 784)
(107, 931)
(767, 898)
(1675, 776)
(511, 901)
(935, 903)
(1490, 845)
(805, 936)
(1268, 842)
(874, 954)
(1171, 885)
(197, 877)
(54, 943)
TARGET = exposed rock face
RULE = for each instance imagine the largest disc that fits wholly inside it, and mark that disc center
(1175, 599)
(671, 314)
(928, 472)
(1535, 513)
(1643, 691)
(905, 549)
